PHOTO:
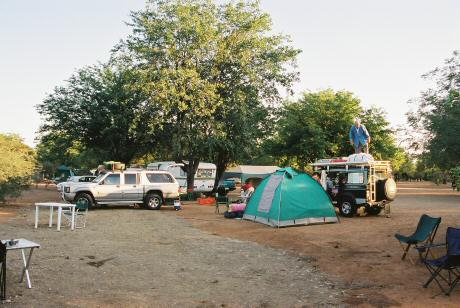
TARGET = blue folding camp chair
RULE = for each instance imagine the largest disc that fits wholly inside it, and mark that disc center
(2, 271)
(450, 263)
(423, 235)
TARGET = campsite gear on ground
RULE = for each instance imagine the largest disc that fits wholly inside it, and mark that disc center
(423, 235)
(2, 271)
(235, 210)
(289, 198)
(387, 210)
(80, 214)
(221, 200)
(237, 207)
(23, 245)
(51, 206)
(206, 201)
(177, 205)
(228, 214)
(449, 263)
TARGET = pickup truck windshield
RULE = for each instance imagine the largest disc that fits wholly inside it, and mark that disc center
(98, 178)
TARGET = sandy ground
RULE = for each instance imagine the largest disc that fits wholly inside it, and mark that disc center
(196, 258)
(128, 257)
(362, 251)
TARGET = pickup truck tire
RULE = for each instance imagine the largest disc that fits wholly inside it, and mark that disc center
(86, 197)
(153, 201)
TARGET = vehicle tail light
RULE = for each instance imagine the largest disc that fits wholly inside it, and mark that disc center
(182, 190)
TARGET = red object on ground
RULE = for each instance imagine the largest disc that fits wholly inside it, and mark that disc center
(206, 201)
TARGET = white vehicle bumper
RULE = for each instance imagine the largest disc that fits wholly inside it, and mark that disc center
(69, 196)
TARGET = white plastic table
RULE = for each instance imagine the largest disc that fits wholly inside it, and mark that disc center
(23, 244)
(51, 206)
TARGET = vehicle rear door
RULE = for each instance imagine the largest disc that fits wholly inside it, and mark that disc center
(132, 191)
(109, 189)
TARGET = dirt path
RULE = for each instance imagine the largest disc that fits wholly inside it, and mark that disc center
(195, 258)
(362, 250)
(138, 258)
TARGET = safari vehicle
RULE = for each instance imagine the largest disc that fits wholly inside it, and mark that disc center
(357, 183)
(148, 188)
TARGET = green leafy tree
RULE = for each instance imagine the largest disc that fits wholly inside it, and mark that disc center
(98, 111)
(455, 177)
(173, 44)
(437, 116)
(318, 125)
(209, 69)
(18, 166)
(251, 67)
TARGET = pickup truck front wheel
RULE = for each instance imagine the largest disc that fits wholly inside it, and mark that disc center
(86, 197)
(153, 201)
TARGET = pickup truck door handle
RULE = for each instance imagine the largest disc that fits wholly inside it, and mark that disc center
(134, 185)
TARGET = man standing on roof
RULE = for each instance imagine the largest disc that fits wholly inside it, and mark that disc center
(359, 137)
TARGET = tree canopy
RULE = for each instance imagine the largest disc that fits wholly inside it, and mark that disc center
(200, 81)
(317, 126)
(437, 116)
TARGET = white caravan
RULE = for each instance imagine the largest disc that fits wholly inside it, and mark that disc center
(204, 177)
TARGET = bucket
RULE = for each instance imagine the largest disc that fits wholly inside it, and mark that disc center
(177, 206)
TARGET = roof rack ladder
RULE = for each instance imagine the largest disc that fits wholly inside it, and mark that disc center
(372, 190)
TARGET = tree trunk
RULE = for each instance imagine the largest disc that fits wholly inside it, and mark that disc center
(191, 167)
(221, 166)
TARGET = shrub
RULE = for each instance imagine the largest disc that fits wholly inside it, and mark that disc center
(17, 162)
(455, 176)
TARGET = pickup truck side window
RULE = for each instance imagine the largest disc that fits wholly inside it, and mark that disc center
(159, 178)
(112, 179)
(130, 179)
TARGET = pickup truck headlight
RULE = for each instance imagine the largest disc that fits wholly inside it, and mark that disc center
(67, 189)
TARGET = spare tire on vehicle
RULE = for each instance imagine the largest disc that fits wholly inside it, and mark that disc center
(386, 189)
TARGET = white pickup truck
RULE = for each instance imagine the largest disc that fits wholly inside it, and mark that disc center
(149, 188)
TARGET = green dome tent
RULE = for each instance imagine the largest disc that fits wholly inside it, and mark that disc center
(289, 198)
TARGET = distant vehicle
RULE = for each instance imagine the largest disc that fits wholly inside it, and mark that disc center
(149, 188)
(226, 186)
(357, 182)
(62, 173)
(230, 184)
(75, 179)
(204, 177)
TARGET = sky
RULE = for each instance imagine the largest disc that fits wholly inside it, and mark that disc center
(376, 49)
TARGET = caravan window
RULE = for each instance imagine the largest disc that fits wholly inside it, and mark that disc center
(204, 173)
